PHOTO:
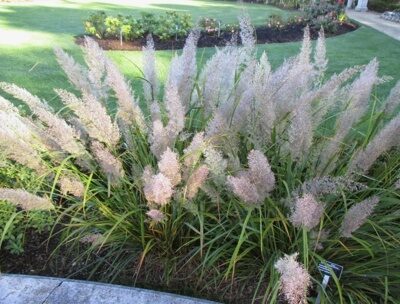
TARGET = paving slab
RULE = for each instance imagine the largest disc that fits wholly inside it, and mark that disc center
(21, 289)
(375, 21)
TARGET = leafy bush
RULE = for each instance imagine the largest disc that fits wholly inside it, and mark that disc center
(173, 25)
(325, 15)
(96, 25)
(383, 5)
(238, 165)
(15, 223)
(167, 26)
(209, 25)
(291, 4)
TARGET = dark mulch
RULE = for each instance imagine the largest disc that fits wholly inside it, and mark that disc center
(289, 33)
(40, 258)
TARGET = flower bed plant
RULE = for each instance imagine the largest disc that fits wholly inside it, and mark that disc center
(229, 169)
(167, 26)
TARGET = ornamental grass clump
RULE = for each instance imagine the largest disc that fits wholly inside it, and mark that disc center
(229, 168)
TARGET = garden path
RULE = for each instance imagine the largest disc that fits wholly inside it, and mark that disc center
(374, 20)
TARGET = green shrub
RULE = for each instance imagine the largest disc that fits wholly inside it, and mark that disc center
(14, 225)
(95, 24)
(237, 165)
(209, 25)
(167, 26)
(325, 15)
(173, 25)
(114, 26)
(383, 5)
(149, 22)
(13, 222)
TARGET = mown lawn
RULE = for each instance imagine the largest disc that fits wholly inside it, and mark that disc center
(29, 31)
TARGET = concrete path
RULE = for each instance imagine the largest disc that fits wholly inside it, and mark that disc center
(374, 20)
(21, 289)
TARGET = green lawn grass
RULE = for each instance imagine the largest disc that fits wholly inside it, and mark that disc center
(29, 31)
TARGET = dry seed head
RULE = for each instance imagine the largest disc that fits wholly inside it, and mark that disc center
(155, 215)
(170, 167)
(25, 200)
(196, 180)
(109, 164)
(158, 190)
(306, 212)
(357, 215)
(294, 279)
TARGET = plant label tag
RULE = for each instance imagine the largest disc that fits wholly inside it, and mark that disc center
(329, 267)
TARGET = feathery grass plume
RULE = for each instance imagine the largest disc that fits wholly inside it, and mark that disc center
(247, 32)
(195, 181)
(329, 94)
(93, 116)
(163, 137)
(158, 189)
(393, 100)
(387, 138)
(301, 130)
(294, 279)
(328, 185)
(71, 185)
(108, 163)
(264, 106)
(19, 143)
(7, 106)
(397, 184)
(320, 60)
(150, 84)
(306, 47)
(66, 138)
(176, 113)
(25, 200)
(170, 167)
(358, 99)
(217, 78)
(147, 174)
(77, 74)
(129, 111)
(241, 114)
(244, 189)
(260, 173)
(306, 212)
(183, 69)
(159, 140)
(155, 215)
(217, 126)
(357, 215)
(96, 61)
(194, 151)
(215, 162)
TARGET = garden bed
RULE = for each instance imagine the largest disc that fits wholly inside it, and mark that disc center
(42, 258)
(265, 34)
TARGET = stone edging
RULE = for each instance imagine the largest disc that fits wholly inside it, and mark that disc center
(25, 289)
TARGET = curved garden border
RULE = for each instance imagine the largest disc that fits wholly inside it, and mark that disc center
(264, 34)
(22, 289)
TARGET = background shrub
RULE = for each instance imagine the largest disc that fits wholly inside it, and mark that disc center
(383, 5)
(168, 26)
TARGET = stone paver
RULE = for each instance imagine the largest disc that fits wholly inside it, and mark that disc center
(374, 20)
(20, 289)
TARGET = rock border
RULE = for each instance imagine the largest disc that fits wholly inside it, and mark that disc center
(26, 289)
